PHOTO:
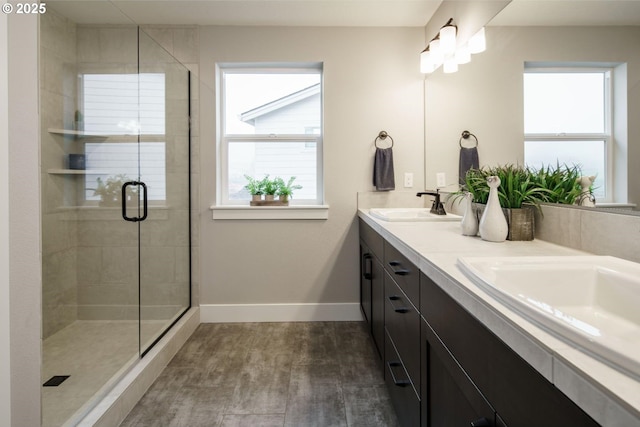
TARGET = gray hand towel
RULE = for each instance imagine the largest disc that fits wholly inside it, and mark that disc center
(383, 177)
(468, 160)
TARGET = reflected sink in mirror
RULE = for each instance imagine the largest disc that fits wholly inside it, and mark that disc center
(592, 301)
(410, 214)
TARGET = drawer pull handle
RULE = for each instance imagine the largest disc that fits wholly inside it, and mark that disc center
(393, 298)
(368, 270)
(399, 271)
(399, 383)
(482, 422)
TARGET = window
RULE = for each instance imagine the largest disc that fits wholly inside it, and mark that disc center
(115, 105)
(567, 120)
(271, 121)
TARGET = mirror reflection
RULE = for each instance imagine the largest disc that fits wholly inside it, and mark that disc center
(554, 85)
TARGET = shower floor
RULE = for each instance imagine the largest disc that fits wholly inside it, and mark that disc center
(94, 354)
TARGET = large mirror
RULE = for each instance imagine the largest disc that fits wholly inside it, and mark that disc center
(487, 95)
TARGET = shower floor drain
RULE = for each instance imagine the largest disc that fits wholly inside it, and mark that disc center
(55, 380)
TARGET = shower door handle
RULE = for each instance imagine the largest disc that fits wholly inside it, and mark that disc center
(144, 201)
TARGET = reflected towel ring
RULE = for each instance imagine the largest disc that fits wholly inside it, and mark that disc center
(465, 135)
(382, 136)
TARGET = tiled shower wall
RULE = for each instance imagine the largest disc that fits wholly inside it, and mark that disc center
(58, 88)
(90, 265)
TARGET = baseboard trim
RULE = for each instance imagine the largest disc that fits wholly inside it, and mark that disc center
(228, 313)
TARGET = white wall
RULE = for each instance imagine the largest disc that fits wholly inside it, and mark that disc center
(371, 83)
(24, 220)
(486, 95)
(5, 360)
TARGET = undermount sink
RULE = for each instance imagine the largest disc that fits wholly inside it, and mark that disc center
(411, 214)
(591, 301)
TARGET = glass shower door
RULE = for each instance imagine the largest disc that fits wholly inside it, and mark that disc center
(164, 167)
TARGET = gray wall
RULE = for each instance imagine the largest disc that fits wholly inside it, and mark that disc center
(371, 82)
(25, 274)
(486, 95)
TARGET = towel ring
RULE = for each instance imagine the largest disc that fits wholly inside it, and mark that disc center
(382, 136)
(465, 135)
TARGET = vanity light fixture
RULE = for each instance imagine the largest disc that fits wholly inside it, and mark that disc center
(450, 65)
(447, 36)
(443, 50)
(463, 54)
(427, 64)
(478, 42)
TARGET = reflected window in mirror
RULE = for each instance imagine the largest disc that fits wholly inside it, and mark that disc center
(568, 120)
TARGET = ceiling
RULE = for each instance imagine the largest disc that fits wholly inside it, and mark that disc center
(569, 12)
(367, 13)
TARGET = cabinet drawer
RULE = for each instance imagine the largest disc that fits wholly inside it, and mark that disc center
(371, 238)
(404, 272)
(448, 397)
(402, 321)
(520, 394)
(403, 396)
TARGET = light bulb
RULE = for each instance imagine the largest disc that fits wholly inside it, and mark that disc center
(448, 39)
(450, 64)
(426, 64)
(478, 43)
(436, 52)
(463, 54)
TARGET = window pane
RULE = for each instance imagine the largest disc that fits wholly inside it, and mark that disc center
(588, 155)
(120, 104)
(121, 158)
(271, 103)
(564, 103)
(283, 159)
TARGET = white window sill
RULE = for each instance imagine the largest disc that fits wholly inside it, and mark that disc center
(271, 212)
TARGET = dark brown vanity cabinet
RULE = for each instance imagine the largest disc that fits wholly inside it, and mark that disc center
(372, 284)
(488, 375)
(442, 366)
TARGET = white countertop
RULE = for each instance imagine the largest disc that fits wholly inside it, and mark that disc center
(609, 396)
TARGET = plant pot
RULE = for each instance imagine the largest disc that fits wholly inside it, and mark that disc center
(256, 197)
(269, 197)
(520, 221)
(110, 202)
(283, 199)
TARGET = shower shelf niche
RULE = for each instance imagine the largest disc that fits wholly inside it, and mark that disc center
(75, 172)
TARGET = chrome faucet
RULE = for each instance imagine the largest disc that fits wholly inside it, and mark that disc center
(436, 208)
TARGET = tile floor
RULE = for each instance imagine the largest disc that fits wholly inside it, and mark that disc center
(270, 374)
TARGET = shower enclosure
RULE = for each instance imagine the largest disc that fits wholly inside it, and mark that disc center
(115, 167)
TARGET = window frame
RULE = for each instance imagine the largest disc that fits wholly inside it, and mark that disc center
(608, 136)
(224, 139)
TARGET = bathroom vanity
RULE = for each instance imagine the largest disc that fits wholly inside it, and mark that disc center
(452, 355)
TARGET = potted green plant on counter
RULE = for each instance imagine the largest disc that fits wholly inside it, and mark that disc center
(285, 189)
(523, 189)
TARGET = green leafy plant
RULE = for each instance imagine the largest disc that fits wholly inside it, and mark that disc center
(254, 186)
(523, 185)
(561, 181)
(269, 186)
(110, 191)
(285, 189)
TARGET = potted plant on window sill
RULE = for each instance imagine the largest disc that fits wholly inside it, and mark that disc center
(285, 189)
(255, 188)
(110, 191)
(270, 187)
